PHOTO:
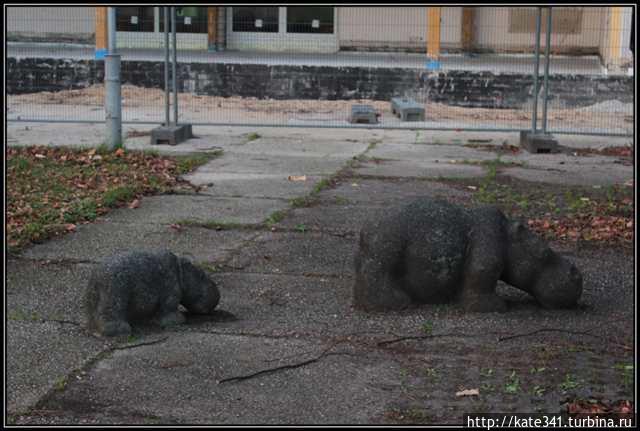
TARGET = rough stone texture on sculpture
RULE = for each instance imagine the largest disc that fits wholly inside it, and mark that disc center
(431, 251)
(146, 286)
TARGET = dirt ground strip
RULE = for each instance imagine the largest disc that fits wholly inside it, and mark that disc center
(285, 346)
(137, 101)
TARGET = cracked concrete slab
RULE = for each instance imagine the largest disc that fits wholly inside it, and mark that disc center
(40, 356)
(296, 253)
(38, 291)
(384, 192)
(603, 172)
(251, 185)
(98, 240)
(168, 209)
(178, 379)
(333, 218)
(419, 160)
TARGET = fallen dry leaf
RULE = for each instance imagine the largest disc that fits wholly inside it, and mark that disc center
(134, 204)
(297, 178)
(467, 393)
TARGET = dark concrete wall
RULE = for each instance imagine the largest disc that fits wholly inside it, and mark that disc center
(457, 88)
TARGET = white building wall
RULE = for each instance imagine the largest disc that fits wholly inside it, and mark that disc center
(46, 19)
(492, 30)
(380, 27)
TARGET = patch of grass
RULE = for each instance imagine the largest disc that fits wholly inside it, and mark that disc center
(188, 163)
(22, 316)
(301, 227)
(576, 203)
(275, 218)
(373, 143)
(312, 198)
(301, 202)
(427, 328)
(21, 164)
(50, 189)
(61, 384)
(214, 224)
(118, 195)
(321, 185)
(538, 391)
(569, 383)
(253, 136)
(513, 384)
(85, 209)
(132, 338)
(208, 267)
(103, 149)
(340, 200)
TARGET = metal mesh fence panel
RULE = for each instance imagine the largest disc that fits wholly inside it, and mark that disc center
(458, 68)
(591, 101)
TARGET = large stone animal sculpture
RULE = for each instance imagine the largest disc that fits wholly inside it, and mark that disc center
(431, 251)
(146, 286)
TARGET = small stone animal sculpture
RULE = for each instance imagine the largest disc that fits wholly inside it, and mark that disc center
(146, 286)
(431, 251)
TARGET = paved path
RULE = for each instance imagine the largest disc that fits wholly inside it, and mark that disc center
(286, 296)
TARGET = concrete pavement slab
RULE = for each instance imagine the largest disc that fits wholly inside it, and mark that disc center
(296, 253)
(178, 379)
(40, 356)
(251, 185)
(96, 241)
(36, 291)
(167, 209)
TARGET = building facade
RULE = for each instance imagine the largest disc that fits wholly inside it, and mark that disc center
(603, 31)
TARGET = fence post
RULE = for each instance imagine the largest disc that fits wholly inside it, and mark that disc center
(547, 52)
(534, 117)
(113, 100)
(175, 67)
(166, 67)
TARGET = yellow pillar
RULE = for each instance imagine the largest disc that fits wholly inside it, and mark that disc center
(614, 46)
(433, 32)
(468, 17)
(212, 28)
(102, 32)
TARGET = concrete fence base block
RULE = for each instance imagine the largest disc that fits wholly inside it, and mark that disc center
(363, 114)
(407, 109)
(171, 135)
(537, 143)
